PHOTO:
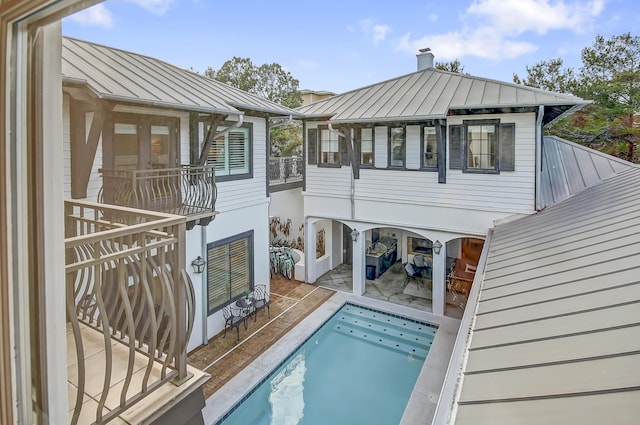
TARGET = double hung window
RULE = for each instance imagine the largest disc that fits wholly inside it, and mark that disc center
(229, 269)
(366, 146)
(482, 146)
(329, 147)
(397, 147)
(429, 147)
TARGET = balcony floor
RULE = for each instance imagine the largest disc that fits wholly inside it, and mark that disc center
(145, 410)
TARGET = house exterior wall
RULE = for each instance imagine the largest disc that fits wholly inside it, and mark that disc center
(468, 202)
(289, 204)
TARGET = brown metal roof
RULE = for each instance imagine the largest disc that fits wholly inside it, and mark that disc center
(123, 76)
(431, 94)
(556, 336)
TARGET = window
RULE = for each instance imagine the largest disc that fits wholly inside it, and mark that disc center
(229, 269)
(231, 153)
(366, 147)
(482, 146)
(429, 147)
(396, 147)
(329, 147)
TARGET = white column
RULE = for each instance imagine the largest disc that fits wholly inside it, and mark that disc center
(310, 250)
(359, 264)
(439, 277)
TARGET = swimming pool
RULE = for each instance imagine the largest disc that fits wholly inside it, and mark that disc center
(359, 367)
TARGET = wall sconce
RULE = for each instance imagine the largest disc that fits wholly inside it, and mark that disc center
(198, 265)
(354, 235)
(436, 247)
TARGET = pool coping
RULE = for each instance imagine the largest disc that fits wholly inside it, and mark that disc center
(423, 400)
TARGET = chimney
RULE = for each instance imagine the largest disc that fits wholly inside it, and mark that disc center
(425, 59)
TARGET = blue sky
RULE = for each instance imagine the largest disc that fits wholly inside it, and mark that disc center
(343, 45)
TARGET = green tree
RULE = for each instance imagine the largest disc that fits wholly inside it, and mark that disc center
(610, 76)
(270, 81)
(451, 66)
(549, 75)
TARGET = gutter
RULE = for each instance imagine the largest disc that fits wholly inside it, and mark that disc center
(446, 409)
(205, 287)
(538, 173)
(231, 127)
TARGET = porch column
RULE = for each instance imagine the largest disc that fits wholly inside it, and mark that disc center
(310, 250)
(439, 280)
(358, 264)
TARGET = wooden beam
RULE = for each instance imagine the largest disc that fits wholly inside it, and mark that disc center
(84, 148)
(214, 121)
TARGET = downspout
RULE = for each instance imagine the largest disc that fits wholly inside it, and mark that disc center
(538, 176)
(205, 294)
(353, 180)
(280, 124)
(231, 127)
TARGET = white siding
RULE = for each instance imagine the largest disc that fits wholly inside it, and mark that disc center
(416, 197)
(237, 194)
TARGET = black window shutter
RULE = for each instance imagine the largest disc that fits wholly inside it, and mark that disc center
(312, 146)
(455, 147)
(507, 147)
(344, 151)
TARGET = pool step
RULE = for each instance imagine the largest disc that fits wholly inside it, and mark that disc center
(390, 331)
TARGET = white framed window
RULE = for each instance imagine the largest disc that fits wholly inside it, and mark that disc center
(397, 147)
(329, 147)
(429, 147)
(366, 147)
(231, 153)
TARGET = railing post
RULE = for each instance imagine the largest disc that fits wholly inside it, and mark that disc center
(181, 300)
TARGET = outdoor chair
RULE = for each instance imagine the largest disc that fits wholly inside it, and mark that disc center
(233, 317)
(422, 264)
(412, 274)
(261, 300)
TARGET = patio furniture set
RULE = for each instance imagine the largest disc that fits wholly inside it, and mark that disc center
(237, 314)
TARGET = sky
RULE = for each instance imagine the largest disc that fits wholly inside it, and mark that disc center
(343, 45)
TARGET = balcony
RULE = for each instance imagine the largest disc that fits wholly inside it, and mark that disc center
(189, 191)
(130, 311)
(285, 173)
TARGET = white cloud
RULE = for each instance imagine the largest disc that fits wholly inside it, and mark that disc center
(380, 33)
(493, 29)
(377, 32)
(157, 7)
(95, 16)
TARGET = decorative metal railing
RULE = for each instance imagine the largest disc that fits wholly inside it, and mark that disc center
(189, 190)
(285, 170)
(128, 294)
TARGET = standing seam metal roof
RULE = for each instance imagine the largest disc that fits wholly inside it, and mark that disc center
(556, 335)
(434, 92)
(120, 75)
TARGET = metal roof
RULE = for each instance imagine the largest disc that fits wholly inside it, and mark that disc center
(569, 168)
(556, 333)
(114, 74)
(431, 94)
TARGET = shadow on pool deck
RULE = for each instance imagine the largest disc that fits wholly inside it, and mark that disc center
(224, 357)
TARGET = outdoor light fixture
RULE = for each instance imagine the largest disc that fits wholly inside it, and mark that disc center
(436, 247)
(354, 235)
(198, 265)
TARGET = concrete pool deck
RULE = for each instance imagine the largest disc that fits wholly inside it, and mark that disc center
(422, 403)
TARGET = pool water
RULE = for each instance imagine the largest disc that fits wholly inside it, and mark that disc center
(359, 367)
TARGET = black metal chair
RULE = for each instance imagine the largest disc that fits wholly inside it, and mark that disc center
(233, 318)
(412, 274)
(261, 300)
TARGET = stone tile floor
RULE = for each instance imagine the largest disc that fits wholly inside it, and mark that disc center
(388, 287)
(224, 357)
